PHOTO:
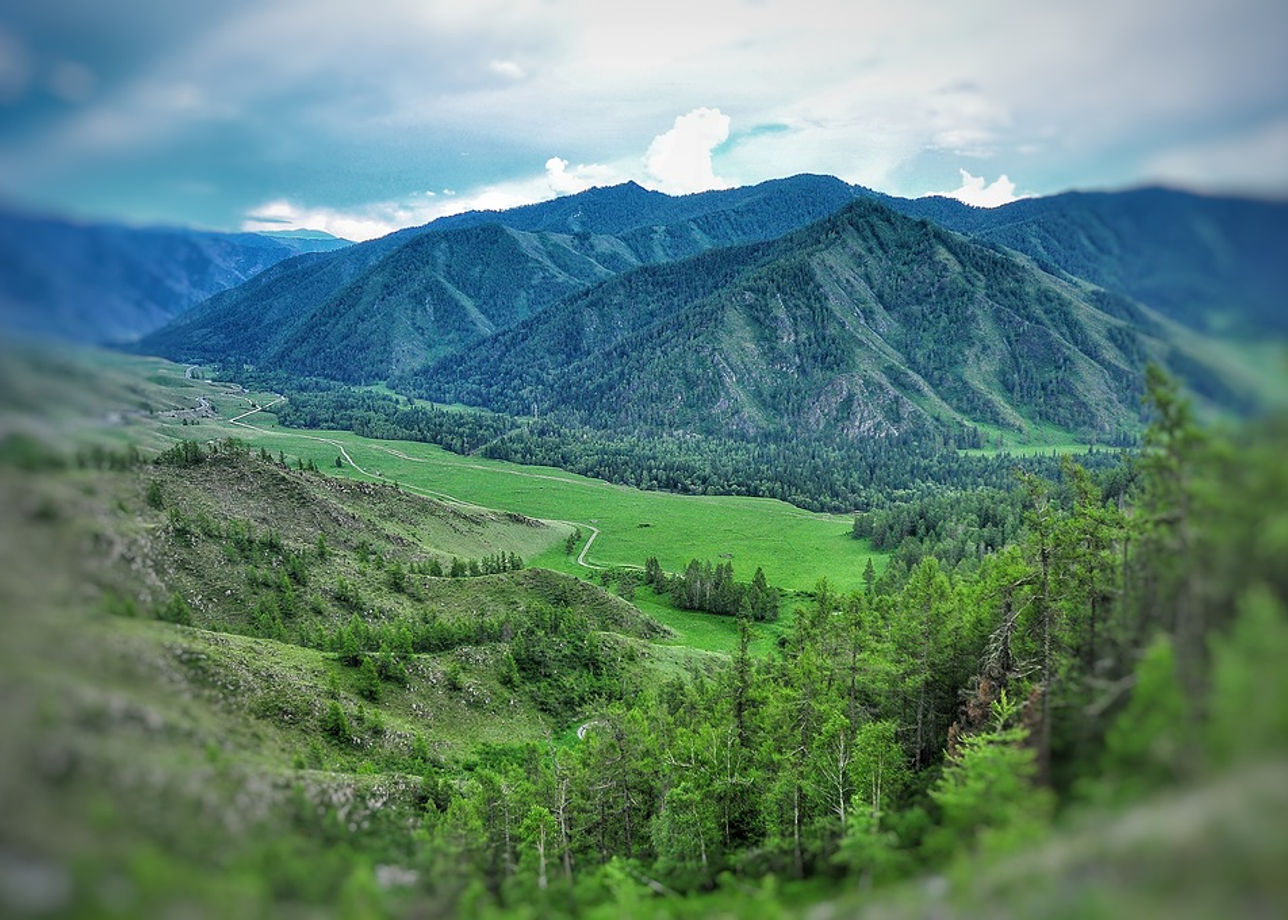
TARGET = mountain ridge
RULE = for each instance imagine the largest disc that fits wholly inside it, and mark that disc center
(867, 323)
(99, 282)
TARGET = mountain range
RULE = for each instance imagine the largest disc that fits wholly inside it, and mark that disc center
(865, 324)
(110, 283)
(778, 309)
(392, 305)
(781, 309)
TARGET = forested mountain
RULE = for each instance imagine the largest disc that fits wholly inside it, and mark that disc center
(392, 306)
(866, 324)
(397, 303)
(1217, 264)
(111, 283)
(435, 294)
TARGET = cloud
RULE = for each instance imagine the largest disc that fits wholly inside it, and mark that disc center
(301, 100)
(1254, 160)
(15, 68)
(508, 69)
(282, 214)
(379, 218)
(975, 191)
(563, 181)
(680, 159)
(72, 81)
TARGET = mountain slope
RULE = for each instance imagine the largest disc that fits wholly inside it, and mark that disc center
(865, 324)
(398, 303)
(1217, 264)
(99, 283)
(435, 294)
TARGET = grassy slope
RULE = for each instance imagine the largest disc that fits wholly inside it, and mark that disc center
(795, 547)
(140, 750)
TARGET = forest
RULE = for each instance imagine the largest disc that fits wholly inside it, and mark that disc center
(1038, 650)
(1116, 646)
(819, 473)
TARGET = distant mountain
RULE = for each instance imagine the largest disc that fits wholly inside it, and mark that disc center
(398, 303)
(321, 239)
(865, 324)
(110, 283)
(434, 295)
(1215, 264)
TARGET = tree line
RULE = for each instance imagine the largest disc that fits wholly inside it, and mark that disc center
(1111, 648)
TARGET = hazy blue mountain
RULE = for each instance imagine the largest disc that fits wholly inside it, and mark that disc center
(111, 283)
(1214, 263)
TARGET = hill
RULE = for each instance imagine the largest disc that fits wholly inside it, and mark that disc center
(391, 306)
(866, 324)
(398, 303)
(111, 283)
(431, 296)
(1214, 263)
(234, 660)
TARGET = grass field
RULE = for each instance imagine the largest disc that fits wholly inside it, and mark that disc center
(795, 548)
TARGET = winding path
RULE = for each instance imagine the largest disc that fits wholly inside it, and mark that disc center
(425, 493)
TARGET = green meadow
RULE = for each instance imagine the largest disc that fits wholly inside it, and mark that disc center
(625, 526)
(795, 548)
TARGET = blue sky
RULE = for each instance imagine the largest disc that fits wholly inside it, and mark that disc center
(363, 117)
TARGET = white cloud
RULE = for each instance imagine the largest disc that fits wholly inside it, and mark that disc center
(977, 191)
(286, 215)
(378, 218)
(563, 181)
(680, 159)
(508, 69)
(1255, 160)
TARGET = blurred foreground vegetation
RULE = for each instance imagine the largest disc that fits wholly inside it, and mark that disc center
(236, 688)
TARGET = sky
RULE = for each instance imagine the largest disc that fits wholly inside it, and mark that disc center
(360, 118)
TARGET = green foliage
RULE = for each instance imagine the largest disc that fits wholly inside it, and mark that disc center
(1248, 706)
(894, 724)
(175, 610)
(987, 796)
(714, 590)
(369, 680)
(335, 724)
(1150, 744)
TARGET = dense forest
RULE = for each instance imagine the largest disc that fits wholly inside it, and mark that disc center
(821, 473)
(865, 324)
(1111, 649)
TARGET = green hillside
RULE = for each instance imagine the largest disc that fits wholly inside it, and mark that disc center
(397, 304)
(866, 325)
(237, 685)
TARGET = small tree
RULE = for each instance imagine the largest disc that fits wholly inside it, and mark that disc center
(369, 680)
(335, 724)
(176, 610)
(397, 578)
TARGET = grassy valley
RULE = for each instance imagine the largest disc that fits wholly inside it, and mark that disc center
(247, 677)
(647, 575)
